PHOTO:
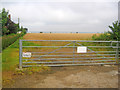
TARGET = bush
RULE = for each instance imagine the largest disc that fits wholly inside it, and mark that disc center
(114, 34)
(105, 36)
(9, 39)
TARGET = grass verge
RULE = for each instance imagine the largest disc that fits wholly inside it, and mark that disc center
(10, 63)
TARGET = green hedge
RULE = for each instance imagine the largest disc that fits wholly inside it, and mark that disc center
(9, 39)
(104, 36)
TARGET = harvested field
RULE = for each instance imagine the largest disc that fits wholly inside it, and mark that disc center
(58, 36)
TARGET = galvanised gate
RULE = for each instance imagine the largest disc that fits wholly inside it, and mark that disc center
(67, 52)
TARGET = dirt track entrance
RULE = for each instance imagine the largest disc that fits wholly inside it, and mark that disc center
(71, 77)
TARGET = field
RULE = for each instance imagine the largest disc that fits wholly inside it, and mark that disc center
(57, 77)
(58, 36)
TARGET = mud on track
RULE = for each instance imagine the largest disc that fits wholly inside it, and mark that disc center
(71, 77)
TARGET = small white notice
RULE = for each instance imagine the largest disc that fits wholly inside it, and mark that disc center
(26, 54)
(81, 49)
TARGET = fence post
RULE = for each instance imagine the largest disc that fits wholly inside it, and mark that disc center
(117, 53)
(73, 51)
(20, 54)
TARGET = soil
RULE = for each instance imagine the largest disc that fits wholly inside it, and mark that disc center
(71, 77)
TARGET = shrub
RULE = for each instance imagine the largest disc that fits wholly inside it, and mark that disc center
(105, 36)
(114, 34)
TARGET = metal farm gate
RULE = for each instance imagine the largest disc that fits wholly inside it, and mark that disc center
(67, 52)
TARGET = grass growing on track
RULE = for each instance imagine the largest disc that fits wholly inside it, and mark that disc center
(10, 59)
(10, 63)
(10, 56)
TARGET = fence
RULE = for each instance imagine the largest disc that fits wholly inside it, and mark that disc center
(67, 52)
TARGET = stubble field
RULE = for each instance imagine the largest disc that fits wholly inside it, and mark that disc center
(58, 36)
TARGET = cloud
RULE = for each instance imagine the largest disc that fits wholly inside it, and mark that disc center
(64, 16)
(59, 0)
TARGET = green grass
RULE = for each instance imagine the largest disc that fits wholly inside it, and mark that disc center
(29, 43)
(10, 57)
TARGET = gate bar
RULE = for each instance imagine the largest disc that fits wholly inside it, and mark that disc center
(70, 61)
(69, 64)
(72, 46)
(71, 40)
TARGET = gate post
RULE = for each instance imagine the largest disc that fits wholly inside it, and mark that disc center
(117, 53)
(73, 51)
(20, 54)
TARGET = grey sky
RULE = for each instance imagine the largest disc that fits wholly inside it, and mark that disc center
(63, 15)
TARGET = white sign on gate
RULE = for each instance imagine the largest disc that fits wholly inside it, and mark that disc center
(81, 49)
(26, 54)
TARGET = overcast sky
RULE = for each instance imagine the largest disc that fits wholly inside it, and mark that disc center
(63, 15)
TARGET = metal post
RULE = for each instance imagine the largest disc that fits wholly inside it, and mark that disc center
(111, 43)
(117, 53)
(73, 51)
(20, 54)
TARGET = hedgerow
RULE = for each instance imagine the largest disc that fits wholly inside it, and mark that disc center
(7, 40)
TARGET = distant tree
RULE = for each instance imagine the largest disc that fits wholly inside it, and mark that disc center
(41, 32)
(76, 32)
(115, 33)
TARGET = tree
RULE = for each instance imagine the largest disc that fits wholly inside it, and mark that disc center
(8, 26)
(4, 21)
(4, 17)
(4, 31)
(12, 28)
(0, 23)
(115, 33)
(25, 30)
